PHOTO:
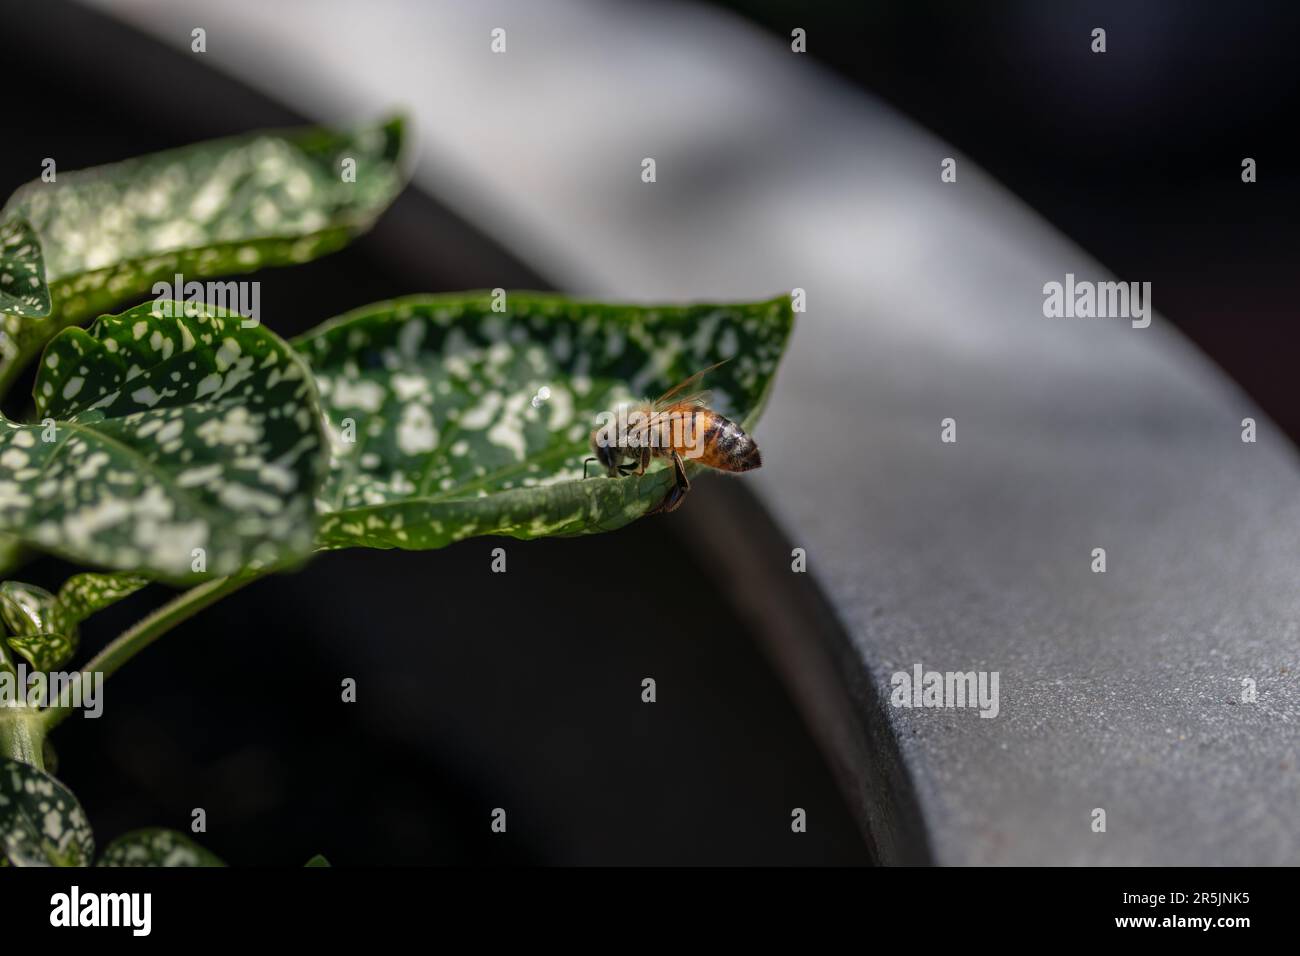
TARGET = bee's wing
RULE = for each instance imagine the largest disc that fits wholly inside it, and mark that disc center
(663, 399)
(699, 399)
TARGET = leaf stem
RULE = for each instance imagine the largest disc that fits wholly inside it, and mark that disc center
(144, 632)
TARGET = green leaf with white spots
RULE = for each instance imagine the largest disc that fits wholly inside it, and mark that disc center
(84, 594)
(23, 291)
(453, 435)
(162, 438)
(216, 208)
(155, 846)
(36, 625)
(43, 627)
(41, 822)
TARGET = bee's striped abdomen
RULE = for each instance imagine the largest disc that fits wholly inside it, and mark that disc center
(726, 446)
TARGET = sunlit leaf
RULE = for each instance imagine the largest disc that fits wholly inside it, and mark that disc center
(165, 441)
(155, 846)
(469, 421)
(41, 822)
(216, 208)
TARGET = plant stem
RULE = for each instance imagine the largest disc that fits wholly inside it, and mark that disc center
(22, 736)
(147, 630)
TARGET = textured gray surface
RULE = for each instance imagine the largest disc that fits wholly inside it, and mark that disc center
(1118, 690)
(925, 302)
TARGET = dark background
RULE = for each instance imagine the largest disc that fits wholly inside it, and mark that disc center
(479, 690)
(1134, 154)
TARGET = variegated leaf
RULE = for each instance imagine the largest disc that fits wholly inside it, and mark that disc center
(84, 594)
(163, 442)
(155, 846)
(23, 291)
(216, 208)
(42, 627)
(36, 625)
(449, 419)
(41, 822)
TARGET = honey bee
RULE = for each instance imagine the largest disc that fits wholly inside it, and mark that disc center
(674, 428)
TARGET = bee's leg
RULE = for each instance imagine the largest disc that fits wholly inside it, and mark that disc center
(612, 471)
(681, 484)
(614, 466)
(638, 467)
